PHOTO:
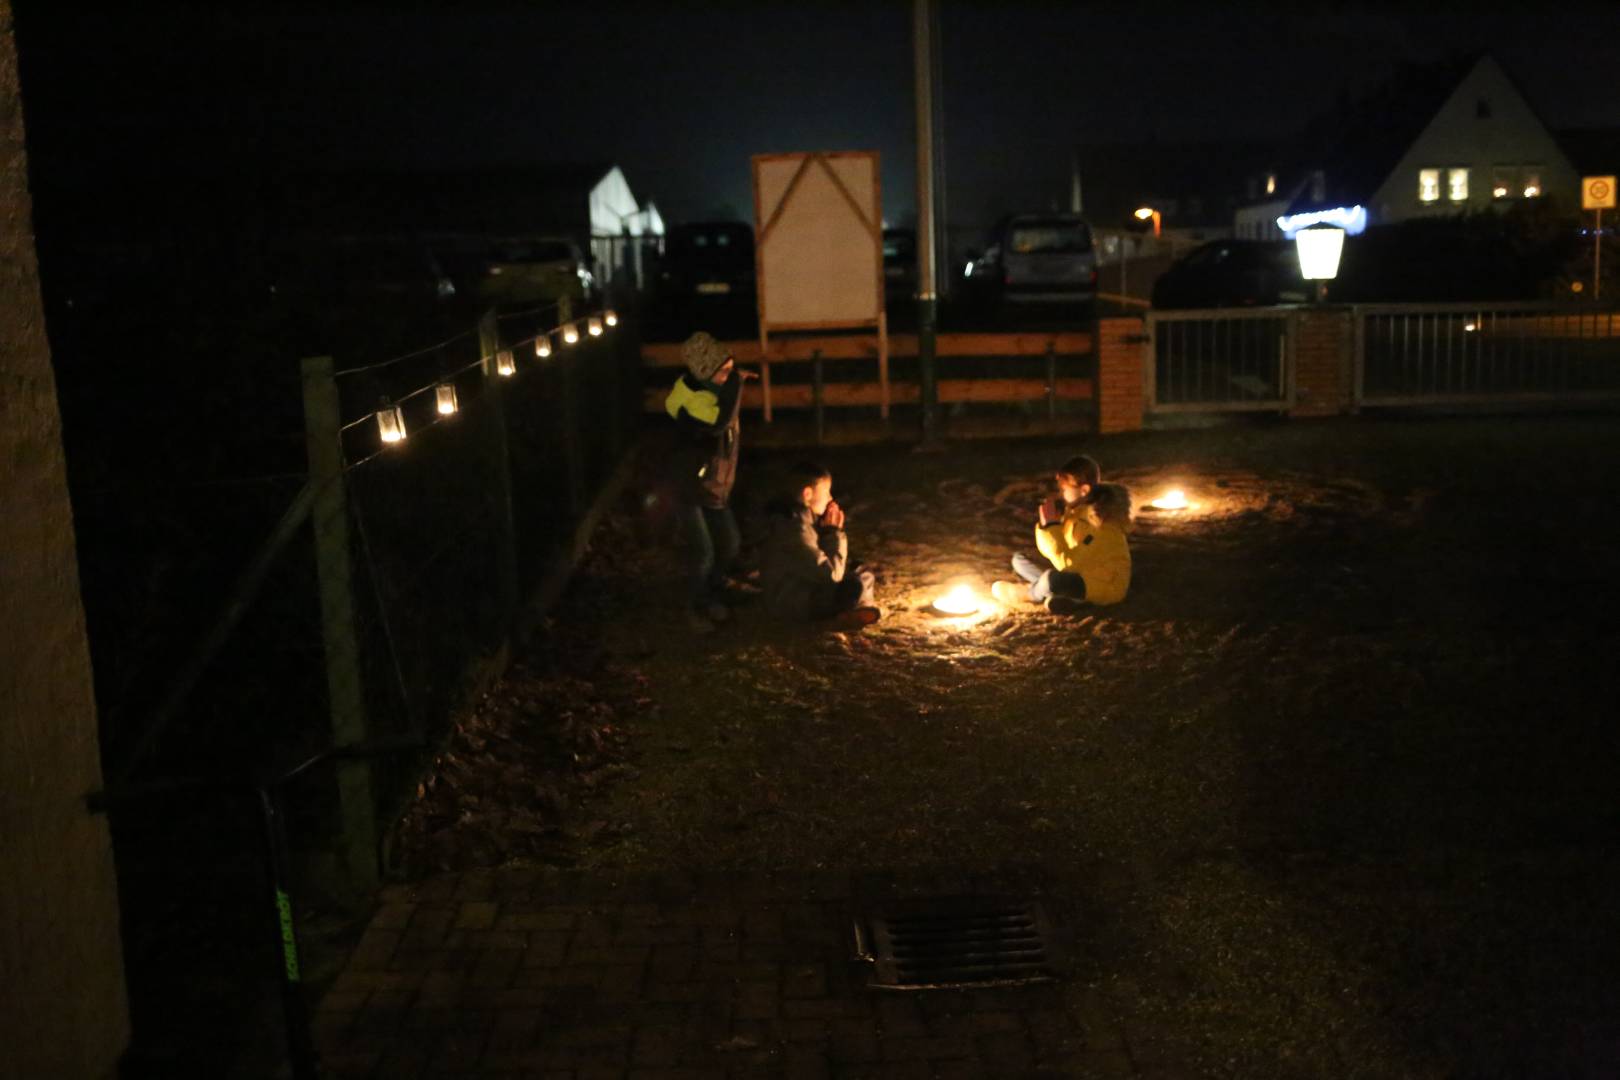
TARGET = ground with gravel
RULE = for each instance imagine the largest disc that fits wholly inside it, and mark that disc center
(1331, 793)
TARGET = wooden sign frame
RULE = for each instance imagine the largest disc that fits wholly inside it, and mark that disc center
(871, 223)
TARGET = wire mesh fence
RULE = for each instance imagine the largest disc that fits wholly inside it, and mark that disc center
(449, 531)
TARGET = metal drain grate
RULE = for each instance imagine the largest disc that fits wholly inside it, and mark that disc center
(958, 942)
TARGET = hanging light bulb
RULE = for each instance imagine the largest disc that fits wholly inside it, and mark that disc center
(390, 423)
(445, 395)
(594, 325)
(542, 346)
(610, 317)
(504, 364)
(570, 334)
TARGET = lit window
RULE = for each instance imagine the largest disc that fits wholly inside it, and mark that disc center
(1532, 183)
(1428, 185)
(1457, 185)
(1271, 183)
(1504, 179)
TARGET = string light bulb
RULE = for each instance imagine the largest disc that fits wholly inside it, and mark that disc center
(570, 334)
(445, 395)
(542, 346)
(390, 423)
(594, 326)
(504, 364)
(610, 317)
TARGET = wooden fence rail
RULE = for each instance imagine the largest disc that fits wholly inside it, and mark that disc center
(819, 394)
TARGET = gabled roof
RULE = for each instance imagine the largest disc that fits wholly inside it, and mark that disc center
(1358, 143)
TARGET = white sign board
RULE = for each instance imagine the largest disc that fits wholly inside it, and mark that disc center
(818, 223)
(1597, 193)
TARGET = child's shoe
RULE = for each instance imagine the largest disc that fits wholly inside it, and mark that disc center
(1011, 594)
(855, 618)
(1064, 605)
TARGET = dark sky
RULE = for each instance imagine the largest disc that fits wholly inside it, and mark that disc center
(681, 94)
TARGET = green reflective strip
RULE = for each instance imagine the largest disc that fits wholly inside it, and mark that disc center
(289, 947)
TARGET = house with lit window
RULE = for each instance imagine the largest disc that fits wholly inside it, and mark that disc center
(1440, 140)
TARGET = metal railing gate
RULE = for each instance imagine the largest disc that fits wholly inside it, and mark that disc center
(1438, 354)
(1219, 360)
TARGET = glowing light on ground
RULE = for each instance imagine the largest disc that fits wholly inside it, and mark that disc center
(960, 600)
(1174, 499)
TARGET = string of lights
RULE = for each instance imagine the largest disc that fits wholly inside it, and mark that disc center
(553, 306)
(390, 417)
(407, 356)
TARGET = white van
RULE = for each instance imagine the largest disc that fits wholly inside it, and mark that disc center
(1041, 258)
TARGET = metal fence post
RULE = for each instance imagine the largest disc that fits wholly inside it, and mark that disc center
(816, 396)
(489, 346)
(1051, 386)
(345, 692)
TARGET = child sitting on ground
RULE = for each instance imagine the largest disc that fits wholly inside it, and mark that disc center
(1081, 533)
(805, 571)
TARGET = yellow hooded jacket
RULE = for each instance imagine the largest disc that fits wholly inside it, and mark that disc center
(1092, 545)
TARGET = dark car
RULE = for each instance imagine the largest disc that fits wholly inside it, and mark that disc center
(1232, 273)
(708, 259)
(899, 264)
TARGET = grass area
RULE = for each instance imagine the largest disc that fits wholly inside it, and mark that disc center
(1330, 794)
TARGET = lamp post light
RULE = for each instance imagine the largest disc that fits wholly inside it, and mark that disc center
(1319, 249)
(1147, 213)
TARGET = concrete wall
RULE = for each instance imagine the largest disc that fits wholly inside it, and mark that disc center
(62, 1007)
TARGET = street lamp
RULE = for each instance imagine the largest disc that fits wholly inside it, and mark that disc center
(1319, 249)
(1147, 213)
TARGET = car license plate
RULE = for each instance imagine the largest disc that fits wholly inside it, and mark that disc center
(714, 287)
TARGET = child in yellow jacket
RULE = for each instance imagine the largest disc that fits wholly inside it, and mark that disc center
(1082, 535)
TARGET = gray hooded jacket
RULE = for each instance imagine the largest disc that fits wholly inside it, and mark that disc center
(802, 565)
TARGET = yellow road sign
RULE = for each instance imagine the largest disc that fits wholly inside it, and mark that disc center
(1597, 192)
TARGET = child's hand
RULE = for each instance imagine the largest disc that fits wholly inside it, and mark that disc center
(833, 516)
(747, 373)
(1051, 510)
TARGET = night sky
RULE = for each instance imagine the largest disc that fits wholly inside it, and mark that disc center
(681, 95)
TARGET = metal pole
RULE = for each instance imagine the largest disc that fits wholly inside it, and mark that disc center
(817, 391)
(1597, 257)
(927, 294)
(345, 693)
(500, 457)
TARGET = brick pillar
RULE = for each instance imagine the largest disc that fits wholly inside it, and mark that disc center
(1120, 393)
(1324, 354)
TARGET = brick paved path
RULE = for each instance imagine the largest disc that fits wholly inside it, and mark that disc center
(528, 973)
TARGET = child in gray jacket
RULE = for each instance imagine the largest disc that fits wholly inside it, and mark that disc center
(805, 571)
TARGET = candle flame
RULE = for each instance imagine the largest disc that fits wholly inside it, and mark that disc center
(1174, 499)
(959, 601)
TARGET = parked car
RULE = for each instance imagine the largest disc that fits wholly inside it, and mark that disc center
(522, 271)
(899, 264)
(708, 259)
(1232, 273)
(1038, 258)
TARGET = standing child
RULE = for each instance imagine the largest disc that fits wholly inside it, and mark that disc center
(705, 403)
(1082, 535)
(806, 573)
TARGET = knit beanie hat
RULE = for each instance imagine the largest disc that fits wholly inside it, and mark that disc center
(703, 355)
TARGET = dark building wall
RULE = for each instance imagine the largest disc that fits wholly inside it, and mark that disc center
(62, 1007)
